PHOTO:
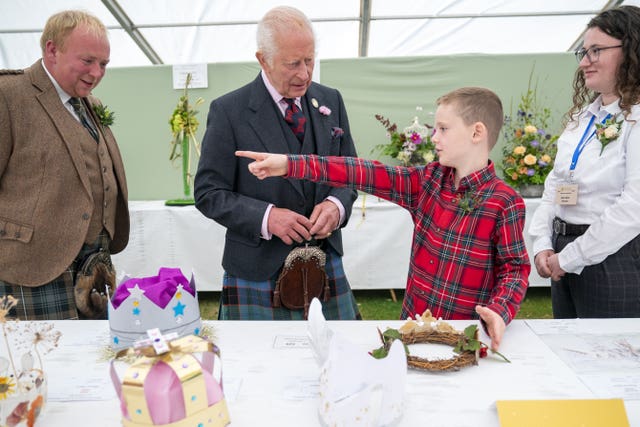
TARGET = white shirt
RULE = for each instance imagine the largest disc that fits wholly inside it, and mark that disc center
(64, 96)
(608, 191)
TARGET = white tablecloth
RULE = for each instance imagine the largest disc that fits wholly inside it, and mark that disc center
(271, 377)
(377, 243)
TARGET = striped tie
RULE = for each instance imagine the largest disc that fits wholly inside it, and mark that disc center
(78, 107)
(295, 118)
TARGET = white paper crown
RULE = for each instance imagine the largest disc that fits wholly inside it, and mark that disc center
(137, 313)
(355, 389)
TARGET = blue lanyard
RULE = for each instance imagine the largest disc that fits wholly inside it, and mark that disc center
(584, 141)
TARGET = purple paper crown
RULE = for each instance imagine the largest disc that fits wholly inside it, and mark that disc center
(167, 301)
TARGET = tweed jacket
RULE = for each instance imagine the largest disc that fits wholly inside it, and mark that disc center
(45, 196)
(248, 119)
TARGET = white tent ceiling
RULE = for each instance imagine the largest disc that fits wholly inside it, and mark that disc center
(145, 32)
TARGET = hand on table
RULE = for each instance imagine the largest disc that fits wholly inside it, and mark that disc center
(495, 325)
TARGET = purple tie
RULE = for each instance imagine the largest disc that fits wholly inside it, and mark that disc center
(295, 118)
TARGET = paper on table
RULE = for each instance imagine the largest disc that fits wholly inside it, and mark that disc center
(562, 413)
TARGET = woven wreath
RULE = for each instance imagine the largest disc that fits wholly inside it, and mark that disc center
(425, 330)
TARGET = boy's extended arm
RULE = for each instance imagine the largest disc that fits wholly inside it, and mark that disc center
(266, 164)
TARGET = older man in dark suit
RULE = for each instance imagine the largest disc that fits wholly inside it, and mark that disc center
(281, 111)
(63, 194)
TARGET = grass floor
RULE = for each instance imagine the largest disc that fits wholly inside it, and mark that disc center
(379, 304)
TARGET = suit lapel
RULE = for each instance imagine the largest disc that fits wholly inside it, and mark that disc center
(62, 120)
(319, 122)
(265, 121)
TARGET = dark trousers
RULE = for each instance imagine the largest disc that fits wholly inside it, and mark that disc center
(608, 289)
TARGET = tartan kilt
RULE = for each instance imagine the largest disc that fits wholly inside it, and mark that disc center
(53, 300)
(246, 300)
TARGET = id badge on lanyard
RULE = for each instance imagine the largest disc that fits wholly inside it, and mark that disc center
(567, 193)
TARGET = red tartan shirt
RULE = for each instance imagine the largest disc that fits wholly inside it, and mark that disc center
(468, 245)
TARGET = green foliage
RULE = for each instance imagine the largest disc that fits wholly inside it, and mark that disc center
(105, 116)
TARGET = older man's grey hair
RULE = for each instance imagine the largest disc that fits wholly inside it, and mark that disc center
(281, 18)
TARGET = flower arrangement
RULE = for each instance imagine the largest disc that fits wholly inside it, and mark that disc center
(23, 389)
(529, 150)
(106, 116)
(184, 124)
(608, 131)
(412, 146)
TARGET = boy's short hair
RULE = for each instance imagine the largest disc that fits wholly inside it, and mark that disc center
(477, 104)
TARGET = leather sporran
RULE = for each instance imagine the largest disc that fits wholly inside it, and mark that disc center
(303, 278)
(95, 282)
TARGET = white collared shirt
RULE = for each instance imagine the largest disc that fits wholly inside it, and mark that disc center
(608, 191)
(64, 96)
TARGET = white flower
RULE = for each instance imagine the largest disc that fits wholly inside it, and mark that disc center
(428, 156)
(611, 131)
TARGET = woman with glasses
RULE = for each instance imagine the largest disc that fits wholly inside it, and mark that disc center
(586, 230)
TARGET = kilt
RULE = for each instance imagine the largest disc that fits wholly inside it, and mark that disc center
(53, 300)
(608, 289)
(246, 300)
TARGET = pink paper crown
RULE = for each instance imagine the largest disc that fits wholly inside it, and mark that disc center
(167, 302)
(169, 386)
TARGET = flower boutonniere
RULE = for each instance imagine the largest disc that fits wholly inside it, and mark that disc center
(608, 131)
(467, 201)
(324, 110)
(336, 133)
(105, 115)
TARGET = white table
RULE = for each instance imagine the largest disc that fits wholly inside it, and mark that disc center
(377, 243)
(269, 384)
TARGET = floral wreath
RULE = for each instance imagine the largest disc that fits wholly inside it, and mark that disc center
(426, 329)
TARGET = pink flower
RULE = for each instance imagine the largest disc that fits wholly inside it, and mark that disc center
(324, 110)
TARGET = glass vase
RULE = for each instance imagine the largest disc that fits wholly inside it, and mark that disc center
(22, 401)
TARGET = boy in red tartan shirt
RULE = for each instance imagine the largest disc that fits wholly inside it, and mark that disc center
(468, 257)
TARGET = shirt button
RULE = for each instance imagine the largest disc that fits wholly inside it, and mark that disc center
(430, 261)
(104, 169)
(106, 188)
(85, 216)
(105, 204)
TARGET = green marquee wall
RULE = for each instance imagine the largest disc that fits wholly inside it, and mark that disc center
(143, 99)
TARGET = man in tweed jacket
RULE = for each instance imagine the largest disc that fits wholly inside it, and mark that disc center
(63, 193)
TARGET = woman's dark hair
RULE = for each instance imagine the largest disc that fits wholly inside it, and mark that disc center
(622, 23)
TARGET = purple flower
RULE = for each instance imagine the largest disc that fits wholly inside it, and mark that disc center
(531, 172)
(415, 138)
(535, 143)
(542, 163)
(324, 110)
(336, 132)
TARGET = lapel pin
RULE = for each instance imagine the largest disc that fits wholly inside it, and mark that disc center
(314, 102)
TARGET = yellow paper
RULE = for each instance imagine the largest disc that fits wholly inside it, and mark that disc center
(562, 413)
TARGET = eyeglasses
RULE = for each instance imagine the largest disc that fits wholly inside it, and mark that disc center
(593, 53)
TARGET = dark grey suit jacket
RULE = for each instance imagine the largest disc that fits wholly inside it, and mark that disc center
(225, 191)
